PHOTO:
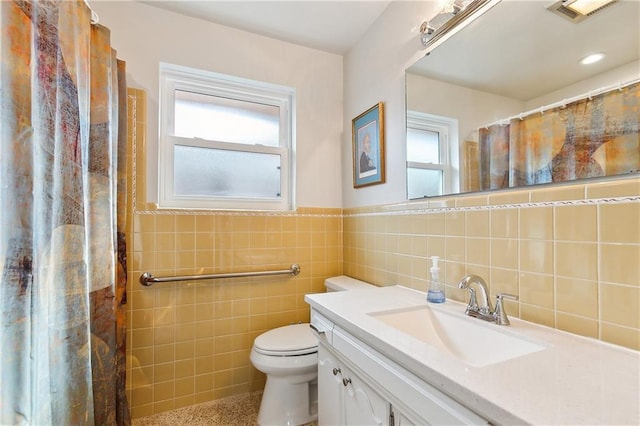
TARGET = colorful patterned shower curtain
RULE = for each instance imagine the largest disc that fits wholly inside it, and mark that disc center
(595, 136)
(62, 217)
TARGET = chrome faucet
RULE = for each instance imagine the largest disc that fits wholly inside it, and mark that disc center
(484, 310)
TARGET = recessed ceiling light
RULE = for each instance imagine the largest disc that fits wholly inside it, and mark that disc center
(590, 59)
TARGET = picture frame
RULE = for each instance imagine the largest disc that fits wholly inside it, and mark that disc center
(368, 147)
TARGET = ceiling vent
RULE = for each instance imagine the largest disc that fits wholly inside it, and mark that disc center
(579, 10)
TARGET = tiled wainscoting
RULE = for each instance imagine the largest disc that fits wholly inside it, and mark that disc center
(571, 253)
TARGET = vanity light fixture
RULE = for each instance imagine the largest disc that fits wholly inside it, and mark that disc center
(592, 58)
(452, 17)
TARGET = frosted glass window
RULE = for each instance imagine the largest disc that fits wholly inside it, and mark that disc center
(222, 119)
(423, 183)
(224, 173)
(225, 142)
(423, 146)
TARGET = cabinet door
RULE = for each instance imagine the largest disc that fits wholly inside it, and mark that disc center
(363, 406)
(398, 418)
(329, 389)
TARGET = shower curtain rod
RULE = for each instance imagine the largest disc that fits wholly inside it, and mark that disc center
(147, 279)
(563, 103)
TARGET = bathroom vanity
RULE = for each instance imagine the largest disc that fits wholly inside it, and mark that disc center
(386, 356)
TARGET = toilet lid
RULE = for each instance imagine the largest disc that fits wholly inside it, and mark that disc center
(297, 339)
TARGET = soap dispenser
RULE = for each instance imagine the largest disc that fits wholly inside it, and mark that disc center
(435, 293)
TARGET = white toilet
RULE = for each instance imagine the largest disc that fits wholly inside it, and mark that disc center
(289, 357)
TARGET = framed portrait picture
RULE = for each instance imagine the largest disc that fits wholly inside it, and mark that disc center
(368, 147)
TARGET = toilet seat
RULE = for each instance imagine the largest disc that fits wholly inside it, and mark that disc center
(290, 340)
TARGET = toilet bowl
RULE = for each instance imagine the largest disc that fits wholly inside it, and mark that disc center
(289, 357)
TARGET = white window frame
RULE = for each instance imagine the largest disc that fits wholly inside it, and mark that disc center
(175, 77)
(447, 128)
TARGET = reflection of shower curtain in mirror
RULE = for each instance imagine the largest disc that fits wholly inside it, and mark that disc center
(62, 212)
(494, 157)
(587, 138)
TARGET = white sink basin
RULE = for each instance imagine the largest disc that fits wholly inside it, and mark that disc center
(471, 340)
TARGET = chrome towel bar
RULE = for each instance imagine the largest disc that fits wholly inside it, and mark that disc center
(147, 279)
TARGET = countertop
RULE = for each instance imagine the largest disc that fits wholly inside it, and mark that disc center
(574, 381)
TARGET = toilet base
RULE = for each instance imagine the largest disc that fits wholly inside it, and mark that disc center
(301, 402)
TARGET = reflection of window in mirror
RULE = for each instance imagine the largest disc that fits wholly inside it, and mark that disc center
(432, 152)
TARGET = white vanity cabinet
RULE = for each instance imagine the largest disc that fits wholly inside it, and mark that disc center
(344, 398)
(359, 386)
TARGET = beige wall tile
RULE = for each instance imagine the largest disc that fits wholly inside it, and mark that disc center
(509, 197)
(477, 223)
(504, 253)
(619, 188)
(418, 224)
(537, 289)
(579, 297)
(144, 223)
(141, 395)
(404, 224)
(573, 191)
(536, 223)
(455, 249)
(619, 263)
(575, 223)
(184, 401)
(142, 337)
(453, 272)
(537, 315)
(165, 223)
(577, 260)
(472, 200)
(185, 223)
(620, 223)
(163, 390)
(503, 281)
(624, 336)
(536, 256)
(436, 224)
(577, 325)
(419, 246)
(504, 223)
(477, 250)
(436, 246)
(162, 406)
(185, 332)
(620, 305)
(455, 223)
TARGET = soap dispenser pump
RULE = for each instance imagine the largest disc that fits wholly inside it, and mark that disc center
(435, 293)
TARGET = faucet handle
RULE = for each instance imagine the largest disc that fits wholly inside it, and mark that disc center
(501, 296)
(500, 314)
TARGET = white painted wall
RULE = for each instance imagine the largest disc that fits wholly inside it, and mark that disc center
(144, 36)
(373, 72)
(623, 74)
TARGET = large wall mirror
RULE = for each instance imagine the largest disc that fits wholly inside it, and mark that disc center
(506, 101)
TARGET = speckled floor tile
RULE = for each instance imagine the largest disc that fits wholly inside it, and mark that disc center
(239, 410)
(235, 410)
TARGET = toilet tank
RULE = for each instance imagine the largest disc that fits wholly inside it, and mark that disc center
(345, 283)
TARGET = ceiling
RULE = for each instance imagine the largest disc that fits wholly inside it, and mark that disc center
(331, 26)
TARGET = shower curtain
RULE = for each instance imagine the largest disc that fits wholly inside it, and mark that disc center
(62, 217)
(591, 137)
